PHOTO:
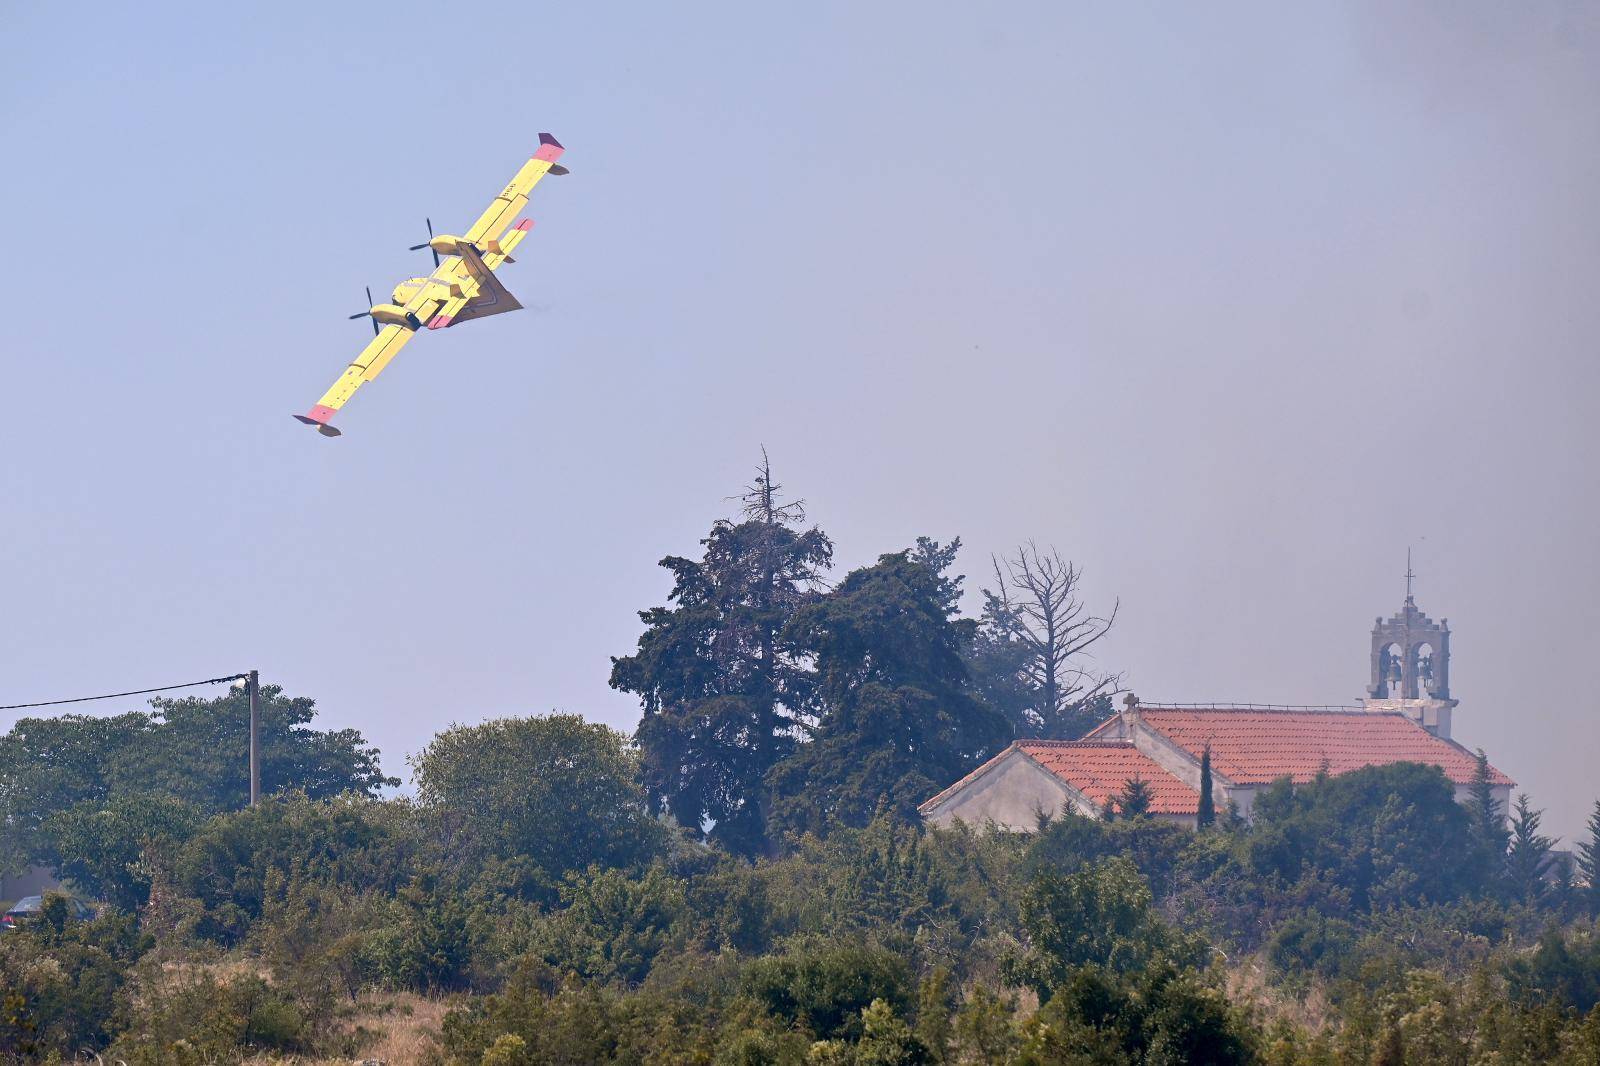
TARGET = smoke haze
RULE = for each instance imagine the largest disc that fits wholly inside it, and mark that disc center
(1232, 304)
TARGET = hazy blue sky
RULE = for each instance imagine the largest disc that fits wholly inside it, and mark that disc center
(1229, 302)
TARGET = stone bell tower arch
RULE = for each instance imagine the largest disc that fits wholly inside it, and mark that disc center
(1411, 665)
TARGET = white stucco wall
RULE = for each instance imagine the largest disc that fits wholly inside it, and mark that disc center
(1010, 793)
(1431, 714)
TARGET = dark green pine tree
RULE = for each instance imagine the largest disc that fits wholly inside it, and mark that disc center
(895, 716)
(1528, 854)
(1589, 861)
(720, 697)
(1207, 812)
(1135, 798)
(1487, 820)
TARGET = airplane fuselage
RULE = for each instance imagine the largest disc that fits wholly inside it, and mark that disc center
(431, 287)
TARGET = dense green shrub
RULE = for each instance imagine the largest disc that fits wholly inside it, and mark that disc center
(1564, 969)
(823, 987)
(1366, 840)
(1159, 1017)
(200, 1018)
(1101, 916)
(578, 1025)
(613, 926)
(558, 791)
(60, 981)
(426, 942)
(109, 849)
(359, 844)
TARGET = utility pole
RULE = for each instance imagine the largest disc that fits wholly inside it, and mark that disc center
(253, 686)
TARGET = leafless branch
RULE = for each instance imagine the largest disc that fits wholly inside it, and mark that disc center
(760, 499)
(1037, 600)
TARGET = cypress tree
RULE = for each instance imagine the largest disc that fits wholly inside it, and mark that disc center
(1528, 854)
(1487, 820)
(1207, 813)
(1589, 860)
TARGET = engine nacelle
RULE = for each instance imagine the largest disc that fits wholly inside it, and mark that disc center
(393, 315)
(449, 244)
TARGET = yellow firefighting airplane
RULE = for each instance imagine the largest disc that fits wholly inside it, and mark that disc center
(462, 286)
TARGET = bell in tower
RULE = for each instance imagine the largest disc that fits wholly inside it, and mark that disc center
(1411, 665)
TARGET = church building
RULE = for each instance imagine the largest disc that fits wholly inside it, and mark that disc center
(1406, 717)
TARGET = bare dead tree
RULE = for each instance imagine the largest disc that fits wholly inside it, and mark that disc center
(760, 500)
(1036, 603)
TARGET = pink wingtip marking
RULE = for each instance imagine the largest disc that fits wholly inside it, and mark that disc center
(549, 152)
(440, 321)
(319, 413)
(525, 225)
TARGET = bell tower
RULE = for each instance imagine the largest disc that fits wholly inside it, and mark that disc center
(1411, 665)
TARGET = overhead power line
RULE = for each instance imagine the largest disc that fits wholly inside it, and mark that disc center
(133, 692)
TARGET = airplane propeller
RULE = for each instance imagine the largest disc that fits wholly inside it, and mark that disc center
(429, 245)
(368, 312)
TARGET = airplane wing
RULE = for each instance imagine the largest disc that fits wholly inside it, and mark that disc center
(368, 365)
(499, 251)
(514, 197)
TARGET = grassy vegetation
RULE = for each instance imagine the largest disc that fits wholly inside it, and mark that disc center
(746, 880)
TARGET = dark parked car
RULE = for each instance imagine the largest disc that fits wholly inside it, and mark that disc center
(28, 907)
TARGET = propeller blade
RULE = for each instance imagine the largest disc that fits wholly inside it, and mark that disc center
(429, 245)
(368, 312)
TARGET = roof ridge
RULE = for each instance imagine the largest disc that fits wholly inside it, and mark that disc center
(1117, 743)
(1261, 708)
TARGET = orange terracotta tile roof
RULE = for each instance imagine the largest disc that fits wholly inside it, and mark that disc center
(1102, 768)
(1254, 747)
